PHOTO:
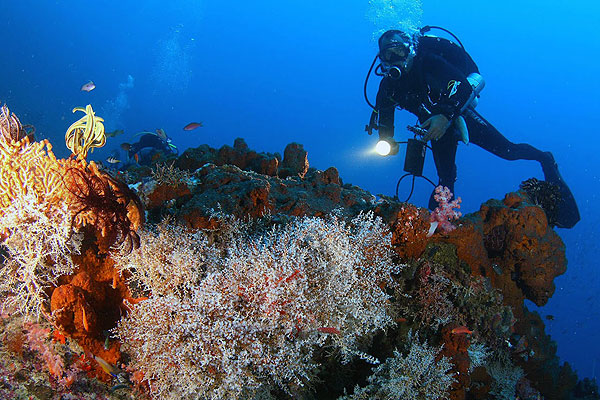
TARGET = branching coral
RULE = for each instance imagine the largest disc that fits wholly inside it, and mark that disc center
(435, 307)
(256, 315)
(171, 260)
(505, 375)
(478, 354)
(418, 375)
(445, 212)
(39, 248)
(169, 174)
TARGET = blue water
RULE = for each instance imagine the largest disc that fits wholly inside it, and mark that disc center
(275, 72)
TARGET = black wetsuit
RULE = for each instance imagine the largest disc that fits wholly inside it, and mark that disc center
(147, 147)
(427, 90)
(150, 141)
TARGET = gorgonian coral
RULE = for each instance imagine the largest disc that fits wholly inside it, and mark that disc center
(30, 168)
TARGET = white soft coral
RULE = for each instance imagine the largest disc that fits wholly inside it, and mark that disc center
(39, 247)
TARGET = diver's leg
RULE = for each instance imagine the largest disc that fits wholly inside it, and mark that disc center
(444, 156)
(484, 135)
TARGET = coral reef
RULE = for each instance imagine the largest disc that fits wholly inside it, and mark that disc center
(43, 202)
(256, 315)
(42, 220)
(261, 277)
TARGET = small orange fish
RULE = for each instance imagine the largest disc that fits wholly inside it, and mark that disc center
(460, 330)
(401, 319)
(128, 304)
(137, 300)
(88, 87)
(114, 281)
(86, 326)
(334, 331)
(136, 157)
(192, 125)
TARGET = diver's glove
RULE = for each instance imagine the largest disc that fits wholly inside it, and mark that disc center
(436, 126)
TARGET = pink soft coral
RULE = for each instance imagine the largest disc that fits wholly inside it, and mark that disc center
(442, 216)
(37, 338)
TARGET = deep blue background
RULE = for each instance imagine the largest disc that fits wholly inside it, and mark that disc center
(274, 72)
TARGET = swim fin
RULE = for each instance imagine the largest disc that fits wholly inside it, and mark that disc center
(568, 212)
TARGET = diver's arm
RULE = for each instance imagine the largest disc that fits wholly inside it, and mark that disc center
(449, 88)
(385, 107)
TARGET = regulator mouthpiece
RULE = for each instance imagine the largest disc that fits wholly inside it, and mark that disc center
(394, 72)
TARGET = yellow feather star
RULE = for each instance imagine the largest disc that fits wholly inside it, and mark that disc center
(86, 133)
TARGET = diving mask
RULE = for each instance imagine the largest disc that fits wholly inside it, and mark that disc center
(395, 54)
(396, 59)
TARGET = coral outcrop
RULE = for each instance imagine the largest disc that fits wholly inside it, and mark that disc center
(257, 276)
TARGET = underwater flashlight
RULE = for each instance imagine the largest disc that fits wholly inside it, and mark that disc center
(386, 147)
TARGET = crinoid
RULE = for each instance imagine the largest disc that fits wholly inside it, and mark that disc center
(85, 133)
(108, 204)
(543, 194)
(10, 126)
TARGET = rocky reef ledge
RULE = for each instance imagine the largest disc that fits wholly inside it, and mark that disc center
(448, 322)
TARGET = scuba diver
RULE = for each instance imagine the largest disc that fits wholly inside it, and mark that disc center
(437, 81)
(150, 147)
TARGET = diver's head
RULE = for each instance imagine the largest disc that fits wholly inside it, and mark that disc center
(396, 52)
